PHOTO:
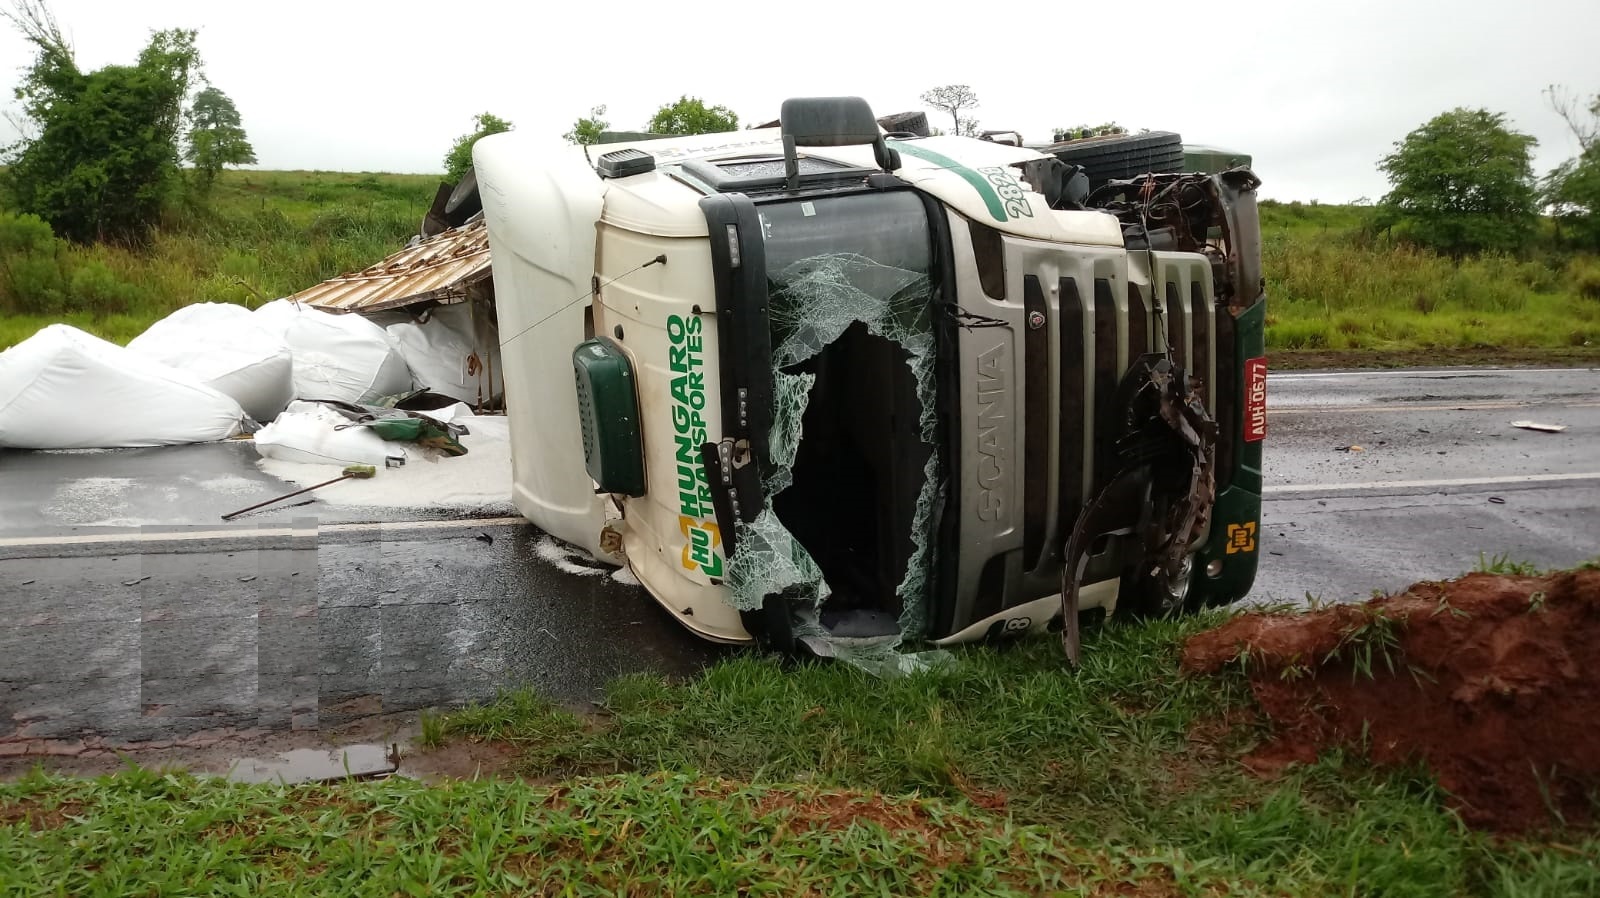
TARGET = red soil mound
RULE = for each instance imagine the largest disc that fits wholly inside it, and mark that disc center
(1493, 681)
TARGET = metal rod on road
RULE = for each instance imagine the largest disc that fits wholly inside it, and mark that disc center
(359, 472)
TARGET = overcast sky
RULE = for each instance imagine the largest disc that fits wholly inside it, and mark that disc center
(1316, 91)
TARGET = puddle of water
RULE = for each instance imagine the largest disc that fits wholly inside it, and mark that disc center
(312, 765)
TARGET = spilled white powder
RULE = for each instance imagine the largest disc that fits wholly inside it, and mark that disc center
(478, 482)
(567, 558)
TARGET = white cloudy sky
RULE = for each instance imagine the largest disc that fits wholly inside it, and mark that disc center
(1317, 91)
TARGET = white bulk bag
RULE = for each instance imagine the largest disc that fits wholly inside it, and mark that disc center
(223, 346)
(307, 433)
(445, 357)
(276, 316)
(344, 357)
(65, 389)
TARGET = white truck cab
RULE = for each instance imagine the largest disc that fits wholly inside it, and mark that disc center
(810, 383)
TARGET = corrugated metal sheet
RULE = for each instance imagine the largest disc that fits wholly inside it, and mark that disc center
(441, 268)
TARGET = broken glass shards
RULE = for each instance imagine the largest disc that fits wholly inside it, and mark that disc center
(814, 301)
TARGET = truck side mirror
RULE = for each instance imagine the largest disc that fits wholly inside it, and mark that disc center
(830, 122)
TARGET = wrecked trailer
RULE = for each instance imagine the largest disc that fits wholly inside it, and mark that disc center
(818, 387)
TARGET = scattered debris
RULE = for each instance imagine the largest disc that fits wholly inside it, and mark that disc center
(1487, 679)
(362, 472)
(1350, 448)
(1542, 428)
(477, 483)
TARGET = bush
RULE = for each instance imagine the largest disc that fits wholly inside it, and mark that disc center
(1585, 276)
(31, 277)
(94, 287)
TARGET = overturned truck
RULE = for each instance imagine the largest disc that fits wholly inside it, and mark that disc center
(815, 386)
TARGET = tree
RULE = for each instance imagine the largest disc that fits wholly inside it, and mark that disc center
(459, 159)
(1462, 183)
(216, 137)
(1078, 132)
(955, 98)
(102, 158)
(1572, 191)
(690, 115)
(586, 131)
(1584, 127)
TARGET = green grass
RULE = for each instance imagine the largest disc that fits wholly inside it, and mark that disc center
(1503, 563)
(148, 834)
(1003, 774)
(261, 235)
(1333, 287)
(1124, 755)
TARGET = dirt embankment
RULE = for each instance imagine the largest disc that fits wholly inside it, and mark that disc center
(1493, 681)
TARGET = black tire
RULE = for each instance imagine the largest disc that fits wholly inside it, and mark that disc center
(914, 123)
(1114, 158)
(464, 201)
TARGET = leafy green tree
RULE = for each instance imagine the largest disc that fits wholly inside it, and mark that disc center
(690, 115)
(1572, 190)
(102, 157)
(1462, 183)
(459, 159)
(586, 131)
(954, 99)
(216, 137)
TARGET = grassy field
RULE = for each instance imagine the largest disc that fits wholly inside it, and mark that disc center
(1336, 294)
(262, 235)
(1002, 774)
(1331, 287)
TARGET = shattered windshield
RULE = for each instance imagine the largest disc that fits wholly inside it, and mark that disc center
(849, 305)
(862, 257)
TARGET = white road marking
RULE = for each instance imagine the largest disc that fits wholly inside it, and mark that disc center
(1411, 372)
(217, 535)
(1464, 406)
(1375, 485)
(91, 539)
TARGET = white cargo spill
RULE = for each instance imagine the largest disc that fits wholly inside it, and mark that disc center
(478, 483)
(65, 389)
(445, 356)
(227, 349)
(344, 357)
(306, 433)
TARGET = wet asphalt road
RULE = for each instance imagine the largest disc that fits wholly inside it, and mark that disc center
(1441, 476)
(134, 614)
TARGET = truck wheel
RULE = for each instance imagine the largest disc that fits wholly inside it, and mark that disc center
(465, 201)
(1149, 594)
(1114, 158)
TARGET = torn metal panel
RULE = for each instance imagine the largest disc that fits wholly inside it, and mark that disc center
(445, 268)
(1213, 215)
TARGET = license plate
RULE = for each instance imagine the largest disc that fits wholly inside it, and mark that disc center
(1255, 399)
